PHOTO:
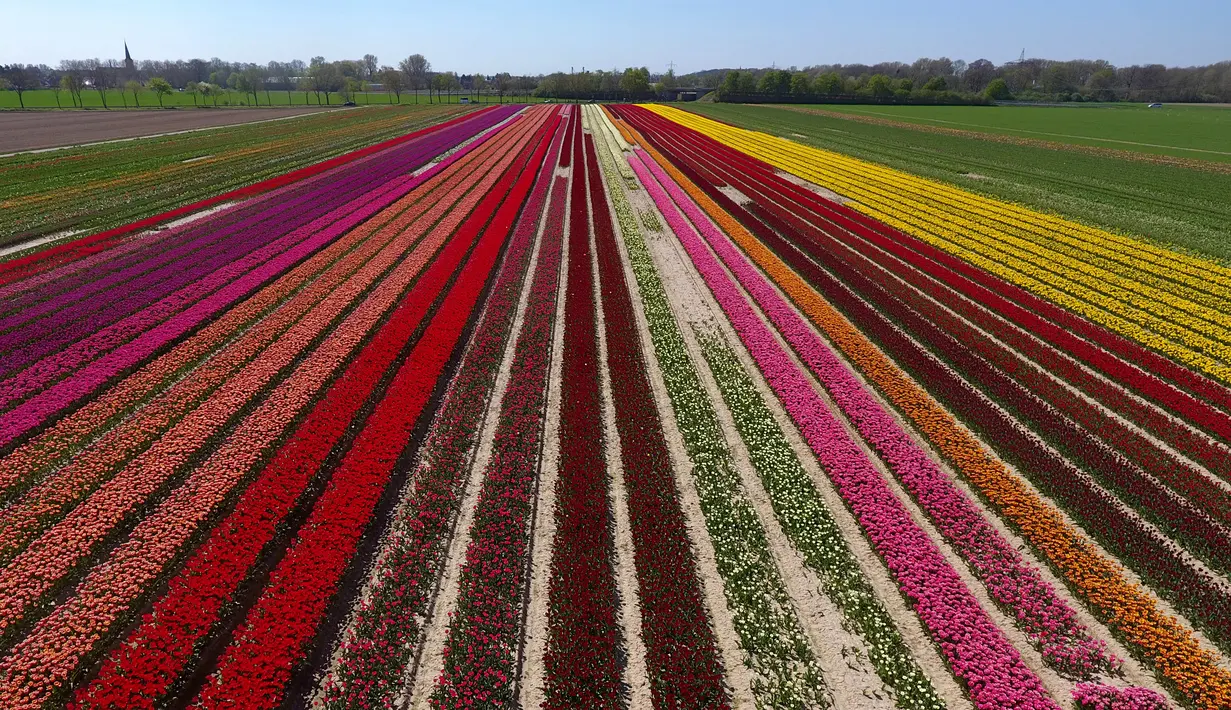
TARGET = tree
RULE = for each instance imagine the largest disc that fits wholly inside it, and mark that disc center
(326, 77)
(879, 85)
(20, 79)
(446, 82)
(801, 84)
(134, 87)
(369, 66)
(936, 83)
(350, 87)
(1102, 84)
(394, 81)
(1056, 79)
(101, 77)
(193, 88)
(416, 68)
(502, 82)
(478, 84)
(254, 79)
(776, 82)
(161, 87)
(998, 90)
(636, 82)
(979, 74)
(829, 84)
(208, 90)
(668, 82)
(71, 82)
(438, 84)
(238, 82)
(747, 83)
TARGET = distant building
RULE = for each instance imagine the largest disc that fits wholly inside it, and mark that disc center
(130, 69)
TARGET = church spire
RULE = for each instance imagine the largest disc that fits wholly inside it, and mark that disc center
(127, 57)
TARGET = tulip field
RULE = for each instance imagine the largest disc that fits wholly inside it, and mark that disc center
(581, 406)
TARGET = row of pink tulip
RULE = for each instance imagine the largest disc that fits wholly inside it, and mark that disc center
(977, 651)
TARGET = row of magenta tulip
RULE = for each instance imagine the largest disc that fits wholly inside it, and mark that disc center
(283, 302)
(111, 588)
(91, 350)
(147, 665)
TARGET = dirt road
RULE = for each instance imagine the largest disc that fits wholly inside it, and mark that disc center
(33, 130)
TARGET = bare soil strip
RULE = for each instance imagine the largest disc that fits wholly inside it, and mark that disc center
(30, 131)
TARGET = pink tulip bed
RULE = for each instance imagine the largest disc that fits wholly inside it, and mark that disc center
(579, 406)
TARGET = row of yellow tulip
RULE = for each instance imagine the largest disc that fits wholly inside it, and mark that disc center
(1193, 328)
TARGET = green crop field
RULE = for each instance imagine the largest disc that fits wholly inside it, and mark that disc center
(1171, 204)
(46, 98)
(106, 185)
(1190, 131)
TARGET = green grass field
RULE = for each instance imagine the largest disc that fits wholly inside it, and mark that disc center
(1169, 204)
(106, 185)
(46, 98)
(1190, 131)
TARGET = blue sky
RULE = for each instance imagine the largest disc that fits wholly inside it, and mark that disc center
(544, 36)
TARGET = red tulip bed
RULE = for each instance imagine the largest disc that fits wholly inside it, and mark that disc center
(588, 407)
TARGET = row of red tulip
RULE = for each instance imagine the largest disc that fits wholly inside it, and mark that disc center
(177, 437)
(285, 300)
(147, 665)
(1156, 558)
(480, 656)
(582, 662)
(385, 632)
(681, 651)
(271, 642)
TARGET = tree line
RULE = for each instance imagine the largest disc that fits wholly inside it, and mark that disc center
(940, 80)
(951, 80)
(208, 81)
